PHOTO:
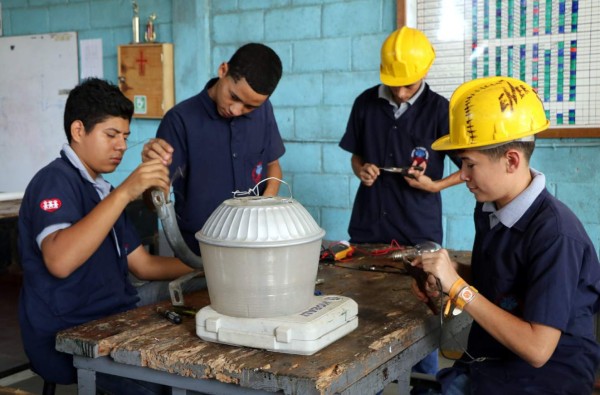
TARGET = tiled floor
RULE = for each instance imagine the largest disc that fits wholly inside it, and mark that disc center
(30, 383)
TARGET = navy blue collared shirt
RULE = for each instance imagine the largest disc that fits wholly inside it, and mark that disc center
(217, 156)
(543, 268)
(58, 195)
(391, 209)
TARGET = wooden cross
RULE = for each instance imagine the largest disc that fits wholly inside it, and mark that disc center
(142, 61)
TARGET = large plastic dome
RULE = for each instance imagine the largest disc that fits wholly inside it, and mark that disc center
(261, 256)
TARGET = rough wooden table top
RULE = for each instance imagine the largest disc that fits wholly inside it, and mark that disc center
(9, 208)
(390, 320)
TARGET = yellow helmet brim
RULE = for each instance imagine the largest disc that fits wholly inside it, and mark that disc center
(492, 110)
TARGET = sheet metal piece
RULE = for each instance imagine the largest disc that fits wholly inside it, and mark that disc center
(166, 213)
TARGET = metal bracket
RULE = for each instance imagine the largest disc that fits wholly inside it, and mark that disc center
(175, 287)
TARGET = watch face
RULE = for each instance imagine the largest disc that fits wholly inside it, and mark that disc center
(467, 294)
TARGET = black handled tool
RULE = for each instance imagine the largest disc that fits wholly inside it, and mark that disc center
(417, 273)
(169, 315)
(402, 170)
(420, 277)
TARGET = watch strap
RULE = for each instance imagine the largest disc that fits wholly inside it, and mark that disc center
(465, 296)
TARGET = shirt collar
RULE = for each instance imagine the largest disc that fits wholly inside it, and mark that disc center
(513, 211)
(385, 93)
(100, 184)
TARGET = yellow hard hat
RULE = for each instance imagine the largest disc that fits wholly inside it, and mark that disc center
(492, 110)
(406, 56)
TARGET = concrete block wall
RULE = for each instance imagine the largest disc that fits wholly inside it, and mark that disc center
(572, 176)
(330, 53)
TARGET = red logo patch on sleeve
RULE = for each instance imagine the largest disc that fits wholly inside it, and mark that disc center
(50, 205)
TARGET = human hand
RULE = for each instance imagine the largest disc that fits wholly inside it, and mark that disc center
(368, 173)
(158, 149)
(414, 169)
(151, 174)
(418, 179)
(430, 291)
(439, 265)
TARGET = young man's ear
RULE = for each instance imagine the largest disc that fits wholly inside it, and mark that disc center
(77, 131)
(513, 159)
(223, 68)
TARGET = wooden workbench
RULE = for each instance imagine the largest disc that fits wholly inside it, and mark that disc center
(395, 331)
(9, 216)
(9, 209)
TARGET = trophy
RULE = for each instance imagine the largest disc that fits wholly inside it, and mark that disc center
(150, 34)
(136, 23)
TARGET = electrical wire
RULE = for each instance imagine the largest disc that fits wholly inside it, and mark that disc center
(472, 359)
(395, 246)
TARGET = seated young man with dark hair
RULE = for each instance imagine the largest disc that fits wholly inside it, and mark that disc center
(76, 244)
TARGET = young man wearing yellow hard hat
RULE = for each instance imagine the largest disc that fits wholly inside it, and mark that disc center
(392, 125)
(535, 283)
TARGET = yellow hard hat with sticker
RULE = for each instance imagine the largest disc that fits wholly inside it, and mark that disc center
(490, 111)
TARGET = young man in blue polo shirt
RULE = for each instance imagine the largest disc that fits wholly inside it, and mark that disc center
(393, 125)
(224, 139)
(535, 283)
(75, 242)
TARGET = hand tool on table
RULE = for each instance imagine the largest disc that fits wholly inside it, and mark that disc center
(402, 170)
(383, 268)
(169, 315)
(336, 252)
(420, 276)
(398, 261)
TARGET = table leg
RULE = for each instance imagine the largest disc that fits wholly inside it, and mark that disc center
(86, 382)
(404, 384)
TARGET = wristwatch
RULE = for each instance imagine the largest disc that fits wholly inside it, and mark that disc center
(464, 297)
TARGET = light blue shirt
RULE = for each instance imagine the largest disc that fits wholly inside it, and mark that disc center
(385, 93)
(513, 211)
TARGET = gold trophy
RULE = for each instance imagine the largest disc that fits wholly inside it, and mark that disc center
(150, 34)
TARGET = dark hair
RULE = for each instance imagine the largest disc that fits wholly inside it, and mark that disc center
(496, 153)
(259, 65)
(93, 101)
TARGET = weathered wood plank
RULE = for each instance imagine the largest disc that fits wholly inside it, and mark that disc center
(10, 208)
(390, 320)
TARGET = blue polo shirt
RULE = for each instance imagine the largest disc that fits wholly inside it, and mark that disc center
(216, 156)
(391, 209)
(534, 259)
(57, 196)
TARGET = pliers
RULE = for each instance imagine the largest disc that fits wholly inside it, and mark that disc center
(402, 170)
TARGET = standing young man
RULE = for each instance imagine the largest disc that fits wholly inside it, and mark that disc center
(224, 139)
(535, 284)
(393, 125)
(75, 241)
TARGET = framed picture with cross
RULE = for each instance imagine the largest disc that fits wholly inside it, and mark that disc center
(146, 77)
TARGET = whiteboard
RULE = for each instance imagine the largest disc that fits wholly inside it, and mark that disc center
(36, 74)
